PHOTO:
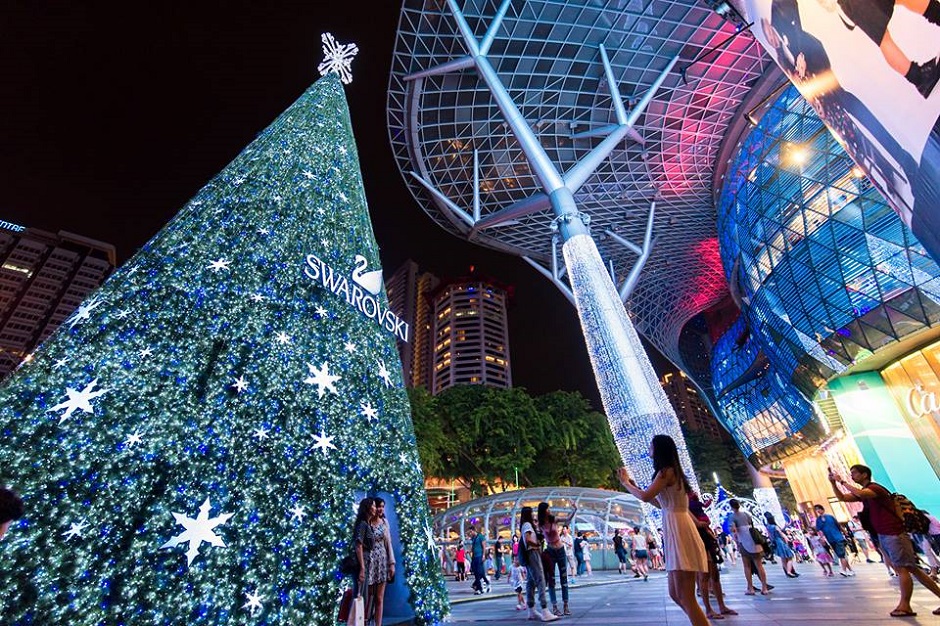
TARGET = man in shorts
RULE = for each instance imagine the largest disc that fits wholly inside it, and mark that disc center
(829, 527)
(892, 535)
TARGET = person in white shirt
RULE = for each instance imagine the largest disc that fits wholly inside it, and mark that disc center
(641, 553)
(517, 582)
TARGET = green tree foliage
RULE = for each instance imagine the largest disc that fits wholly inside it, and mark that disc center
(480, 437)
(579, 447)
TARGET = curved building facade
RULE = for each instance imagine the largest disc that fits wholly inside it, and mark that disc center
(830, 282)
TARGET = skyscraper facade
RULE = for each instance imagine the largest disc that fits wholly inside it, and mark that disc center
(408, 290)
(44, 276)
(691, 409)
(470, 330)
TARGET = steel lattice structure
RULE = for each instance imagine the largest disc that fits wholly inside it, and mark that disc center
(548, 55)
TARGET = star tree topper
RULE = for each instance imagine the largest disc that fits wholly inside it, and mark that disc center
(197, 531)
(337, 58)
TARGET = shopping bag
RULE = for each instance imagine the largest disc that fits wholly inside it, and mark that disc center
(344, 605)
(357, 613)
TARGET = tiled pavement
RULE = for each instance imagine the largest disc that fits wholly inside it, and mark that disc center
(811, 599)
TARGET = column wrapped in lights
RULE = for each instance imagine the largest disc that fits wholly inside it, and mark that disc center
(636, 405)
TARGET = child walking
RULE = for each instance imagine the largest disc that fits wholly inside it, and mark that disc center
(517, 582)
(822, 554)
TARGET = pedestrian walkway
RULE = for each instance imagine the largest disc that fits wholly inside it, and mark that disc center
(608, 598)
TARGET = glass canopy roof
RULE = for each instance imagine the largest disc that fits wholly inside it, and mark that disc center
(547, 55)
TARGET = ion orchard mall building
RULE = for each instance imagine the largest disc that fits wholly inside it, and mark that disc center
(761, 188)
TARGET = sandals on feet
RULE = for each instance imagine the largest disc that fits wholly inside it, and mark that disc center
(900, 613)
(714, 616)
(733, 612)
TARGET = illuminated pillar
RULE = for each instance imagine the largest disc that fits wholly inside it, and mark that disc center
(636, 405)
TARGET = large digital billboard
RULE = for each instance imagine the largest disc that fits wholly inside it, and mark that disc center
(870, 68)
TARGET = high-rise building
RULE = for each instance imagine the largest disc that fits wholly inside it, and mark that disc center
(690, 407)
(408, 291)
(470, 331)
(44, 276)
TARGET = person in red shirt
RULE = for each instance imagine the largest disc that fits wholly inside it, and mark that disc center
(461, 558)
(892, 535)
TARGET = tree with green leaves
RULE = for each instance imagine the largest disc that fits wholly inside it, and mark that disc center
(482, 437)
(578, 448)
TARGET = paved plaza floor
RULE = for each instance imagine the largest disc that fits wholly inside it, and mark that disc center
(811, 599)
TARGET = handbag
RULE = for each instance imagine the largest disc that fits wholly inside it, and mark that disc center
(350, 564)
(357, 613)
(761, 540)
(345, 605)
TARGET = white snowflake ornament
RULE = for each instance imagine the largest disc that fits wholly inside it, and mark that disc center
(197, 531)
(337, 58)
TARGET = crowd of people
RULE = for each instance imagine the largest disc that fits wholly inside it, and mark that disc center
(694, 553)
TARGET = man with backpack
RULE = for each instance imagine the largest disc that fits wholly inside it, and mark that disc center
(888, 521)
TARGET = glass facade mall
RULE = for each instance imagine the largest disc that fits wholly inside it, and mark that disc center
(825, 273)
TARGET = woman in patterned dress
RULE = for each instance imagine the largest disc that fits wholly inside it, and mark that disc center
(381, 564)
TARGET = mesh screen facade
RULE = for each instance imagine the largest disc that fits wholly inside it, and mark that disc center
(826, 271)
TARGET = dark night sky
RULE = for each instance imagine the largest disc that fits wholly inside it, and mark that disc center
(114, 115)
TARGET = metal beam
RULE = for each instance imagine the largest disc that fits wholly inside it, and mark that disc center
(583, 169)
(444, 200)
(562, 287)
(456, 65)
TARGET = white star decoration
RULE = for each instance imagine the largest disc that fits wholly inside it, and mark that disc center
(260, 434)
(133, 440)
(146, 352)
(60, 362)
(254, 602)
(297, 513)
(337, 58)
(220, 264)
(321, 378)
(384, 374)
(309, 175)
(240, 384)
(350, 347)
(122, 314)
(257, 297)
(367, 411)
(323, 442)
(320, 311)
(282, 338)
(75, 530)
(264, 231)
(84, 311)
(79, 400)
(197, 531)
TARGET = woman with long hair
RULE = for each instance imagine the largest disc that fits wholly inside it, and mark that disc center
(553, 556)
(530, 555)
(382, 561)
(364, 540)
(685, 553)
(780, 546)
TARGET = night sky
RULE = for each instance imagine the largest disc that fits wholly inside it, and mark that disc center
(115, 114)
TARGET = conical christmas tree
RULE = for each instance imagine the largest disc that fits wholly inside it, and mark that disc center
(192, 442)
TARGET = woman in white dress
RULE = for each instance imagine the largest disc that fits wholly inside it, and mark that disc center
(683, 548)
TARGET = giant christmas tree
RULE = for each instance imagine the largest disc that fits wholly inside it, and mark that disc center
(191, 443)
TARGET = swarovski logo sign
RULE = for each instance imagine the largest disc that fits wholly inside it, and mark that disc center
(921, 403)
(362, 294)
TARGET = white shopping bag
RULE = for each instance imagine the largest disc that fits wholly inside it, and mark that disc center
(357, 613)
